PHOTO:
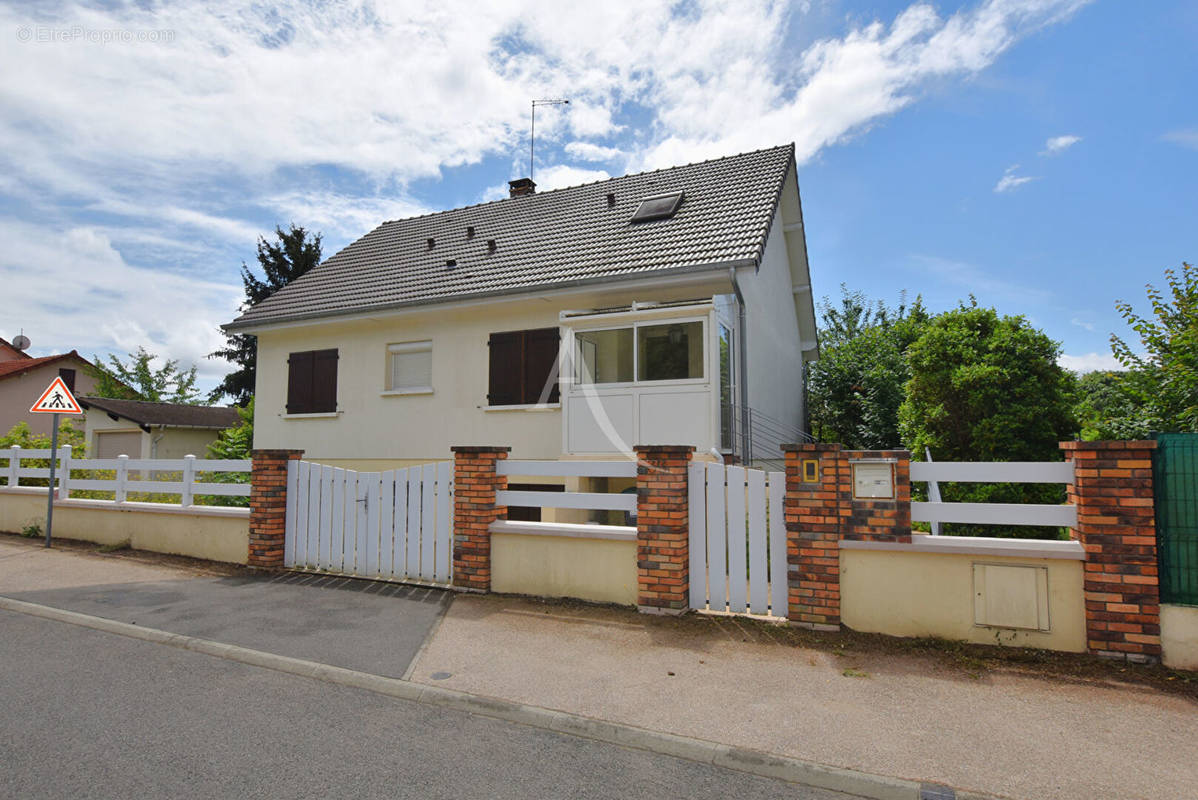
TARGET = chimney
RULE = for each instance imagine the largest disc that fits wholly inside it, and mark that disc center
(521, 187)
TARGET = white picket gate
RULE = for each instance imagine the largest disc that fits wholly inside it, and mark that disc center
(737, 540)
(393, 525)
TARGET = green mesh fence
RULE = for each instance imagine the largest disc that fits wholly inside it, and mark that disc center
(1175, 480)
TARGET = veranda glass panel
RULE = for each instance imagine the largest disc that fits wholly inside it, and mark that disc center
(603, 356)
(670, 352)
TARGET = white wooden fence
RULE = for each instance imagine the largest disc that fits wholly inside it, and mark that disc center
(157, 476)
(737, 540)
(936, 512)
(392, 525)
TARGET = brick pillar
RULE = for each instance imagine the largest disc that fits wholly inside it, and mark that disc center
(820, 510)
(268, 506)
(662, 528)
(474, 509)
(812, 512)
(1112, 489)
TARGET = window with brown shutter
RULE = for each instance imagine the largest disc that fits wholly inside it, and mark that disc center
(521, 364)
(312, 382)
(68, 377)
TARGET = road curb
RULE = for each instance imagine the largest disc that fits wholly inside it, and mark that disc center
(767, 765)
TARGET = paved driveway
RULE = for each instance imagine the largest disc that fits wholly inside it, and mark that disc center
(363, 625)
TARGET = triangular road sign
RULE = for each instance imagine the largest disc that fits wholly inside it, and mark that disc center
(56, 400)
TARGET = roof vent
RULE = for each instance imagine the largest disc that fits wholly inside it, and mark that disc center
(450, 263)
(660, 206)
(611, 201)
(491, 246)
(521, 187)
(469, 231)
(431, 243)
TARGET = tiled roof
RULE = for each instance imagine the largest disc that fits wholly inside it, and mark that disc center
(180, 415)
(551, 239)
(17, 366)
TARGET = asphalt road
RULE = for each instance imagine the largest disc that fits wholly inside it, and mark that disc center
(89, 714)
(369, 626)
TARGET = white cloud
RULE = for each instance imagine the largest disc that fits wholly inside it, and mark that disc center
(71, 289)
(1090, 362)
(1010, 181)
(1059, 144)
(1184, 137)
(561, 175)
(586, 151)
(1081, 323)
(178, 153)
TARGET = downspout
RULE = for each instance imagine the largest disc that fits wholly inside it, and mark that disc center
(742, 367)
(154, 440)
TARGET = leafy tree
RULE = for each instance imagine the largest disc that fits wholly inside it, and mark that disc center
(20, 435)
(855, 388)
(986, 387)
(282, 262)
(1107, 407)
(1164, 381)
(139, 380)
(236, 442)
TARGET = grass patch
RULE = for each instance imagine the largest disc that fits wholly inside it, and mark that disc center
(115, 548)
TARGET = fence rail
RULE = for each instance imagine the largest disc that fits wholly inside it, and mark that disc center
(937, 512)
(159, 476)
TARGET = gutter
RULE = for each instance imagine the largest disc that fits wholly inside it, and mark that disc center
(251, 325)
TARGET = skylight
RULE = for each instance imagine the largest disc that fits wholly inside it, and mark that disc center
(659, 206)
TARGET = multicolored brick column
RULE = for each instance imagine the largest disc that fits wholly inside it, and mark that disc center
(1112, 489)
(820, 510)
(662, 528)
(268, 506)
(474, 509)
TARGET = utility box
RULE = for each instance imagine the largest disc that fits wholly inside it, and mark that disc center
(1010, 596)
(873, 480)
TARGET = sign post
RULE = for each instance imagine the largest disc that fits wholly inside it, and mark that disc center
(57, 399)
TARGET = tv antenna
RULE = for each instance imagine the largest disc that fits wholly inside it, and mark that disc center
(532, 128)
(20, 341)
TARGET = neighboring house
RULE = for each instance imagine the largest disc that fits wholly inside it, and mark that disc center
(23, 379)
(667, 307)
(141, 429)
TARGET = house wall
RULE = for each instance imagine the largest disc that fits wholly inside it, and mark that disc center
(179, 442)
(372, 430)
(775, 360)
(97, 422)
(19, 392)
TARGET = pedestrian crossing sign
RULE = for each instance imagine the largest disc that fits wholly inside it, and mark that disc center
(57, 399)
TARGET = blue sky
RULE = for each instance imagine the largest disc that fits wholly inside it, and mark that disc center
(1040, 154)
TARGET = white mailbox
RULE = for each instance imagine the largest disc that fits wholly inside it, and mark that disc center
(873, 480)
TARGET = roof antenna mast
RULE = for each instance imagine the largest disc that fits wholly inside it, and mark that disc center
(532, 128)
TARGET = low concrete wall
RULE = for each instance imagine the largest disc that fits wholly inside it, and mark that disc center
(217, 534)
(911, 593)
(1179, 636)
(599, 570)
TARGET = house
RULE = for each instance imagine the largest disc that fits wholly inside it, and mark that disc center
(142, 429)
(23, 379)
(666, 307)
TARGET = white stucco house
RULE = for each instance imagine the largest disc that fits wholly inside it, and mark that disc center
(666, 307)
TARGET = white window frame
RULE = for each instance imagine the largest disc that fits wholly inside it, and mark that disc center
(575, 380)
(403, 348)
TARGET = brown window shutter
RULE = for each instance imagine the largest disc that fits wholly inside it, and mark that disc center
(506, 369)
(299, 382)
(324, 380)
(68, 378)
(540, 364)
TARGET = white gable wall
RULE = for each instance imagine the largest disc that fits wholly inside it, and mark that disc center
(775, 359)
